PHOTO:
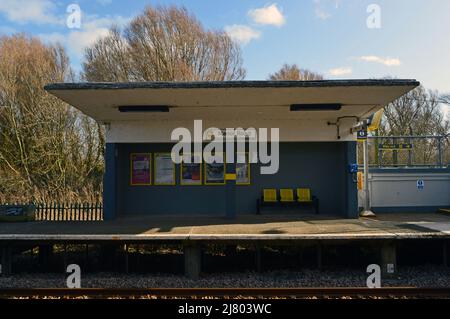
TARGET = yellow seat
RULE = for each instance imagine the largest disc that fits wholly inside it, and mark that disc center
(304, 195)
(286, 195)
(270, 195)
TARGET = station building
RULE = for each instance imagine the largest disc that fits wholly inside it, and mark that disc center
(316, 150)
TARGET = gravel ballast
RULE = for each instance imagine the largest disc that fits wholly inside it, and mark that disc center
(424, 276)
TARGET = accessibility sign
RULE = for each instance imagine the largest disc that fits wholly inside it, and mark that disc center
(420, 184)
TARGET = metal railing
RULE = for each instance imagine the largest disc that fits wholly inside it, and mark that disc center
(407, 151)
(64, 211)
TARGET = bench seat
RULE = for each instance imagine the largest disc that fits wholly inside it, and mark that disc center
(303, 198)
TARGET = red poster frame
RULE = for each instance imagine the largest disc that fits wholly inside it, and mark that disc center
(140, 177)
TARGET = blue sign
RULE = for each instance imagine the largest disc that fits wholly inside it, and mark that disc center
(420, 184)
(353, 168)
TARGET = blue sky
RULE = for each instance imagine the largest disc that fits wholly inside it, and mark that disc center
(328, 36)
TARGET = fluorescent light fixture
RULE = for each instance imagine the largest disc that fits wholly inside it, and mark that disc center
(316, 107)
(143, 108)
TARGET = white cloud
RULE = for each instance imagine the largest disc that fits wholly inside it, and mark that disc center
(376, 59)
(92, 29)
(320, 11)
(322, 8)
(77, 41)
(53, 37)
(340, 71)
(242, 33)
(90, 21)
(321, 14)
(30, 11)
(268, 15)
(446, 111)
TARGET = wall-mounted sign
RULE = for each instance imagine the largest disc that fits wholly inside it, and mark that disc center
(191, 173)
(140, 168)
(361, 135)
(164, 169)
(402, 146)
(353, 168)
(420, 184)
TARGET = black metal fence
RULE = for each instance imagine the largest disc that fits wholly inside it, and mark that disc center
(66, 212)
(407, 151)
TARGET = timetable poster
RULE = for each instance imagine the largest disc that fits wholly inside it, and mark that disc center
(164, 169)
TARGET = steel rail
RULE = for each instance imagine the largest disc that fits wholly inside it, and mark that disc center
(227, 292)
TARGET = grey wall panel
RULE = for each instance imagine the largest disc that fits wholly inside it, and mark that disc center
(319, 166)
(398, 189)
(178, 199)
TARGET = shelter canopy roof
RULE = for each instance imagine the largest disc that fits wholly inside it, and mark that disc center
(360, 98)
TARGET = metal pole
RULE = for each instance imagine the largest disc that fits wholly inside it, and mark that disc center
(410, 153)
(440, 158)
(366, 212)
(380, 152)
(377, 150)
(395, 153)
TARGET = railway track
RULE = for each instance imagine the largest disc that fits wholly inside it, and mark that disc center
(388, 292)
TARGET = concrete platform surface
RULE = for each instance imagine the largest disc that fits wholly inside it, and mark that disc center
(245, 227)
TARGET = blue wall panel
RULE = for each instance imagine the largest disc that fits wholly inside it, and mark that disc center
(351, 208)
(110, 182)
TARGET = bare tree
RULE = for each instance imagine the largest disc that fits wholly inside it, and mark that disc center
(415, 113)
(164, 44)
(48, 149)
(291, 72)
(445, 99)
(108, 59)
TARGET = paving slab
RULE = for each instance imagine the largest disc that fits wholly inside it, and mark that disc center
(251, 227)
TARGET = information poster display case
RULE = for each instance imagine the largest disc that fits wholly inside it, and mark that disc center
(191, 173)
(140, 166)
(164, 169)
(215, 172)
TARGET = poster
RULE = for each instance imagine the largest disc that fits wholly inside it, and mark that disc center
(215, 173)
(242, 169)
(140, 168)
(191, 173)
(164, 169)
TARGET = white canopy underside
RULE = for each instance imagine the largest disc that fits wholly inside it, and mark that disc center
(228, 107)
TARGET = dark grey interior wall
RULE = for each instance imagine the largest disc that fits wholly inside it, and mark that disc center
(319, 166)
(178, 199)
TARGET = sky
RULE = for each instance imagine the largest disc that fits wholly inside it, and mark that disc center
(341, 39)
